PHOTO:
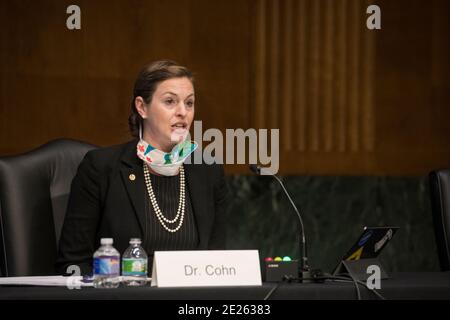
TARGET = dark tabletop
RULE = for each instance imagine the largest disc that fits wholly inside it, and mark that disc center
(426, 285)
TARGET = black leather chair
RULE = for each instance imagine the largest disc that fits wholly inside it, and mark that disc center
(440, 203)
(34, 189)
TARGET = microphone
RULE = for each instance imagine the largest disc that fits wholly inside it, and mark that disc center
(304, 266)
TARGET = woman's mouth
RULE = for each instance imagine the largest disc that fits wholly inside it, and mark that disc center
(179, 125)
(179, 131)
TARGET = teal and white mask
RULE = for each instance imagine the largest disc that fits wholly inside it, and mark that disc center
(165, 163)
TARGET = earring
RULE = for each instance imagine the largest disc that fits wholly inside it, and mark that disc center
(140, 131)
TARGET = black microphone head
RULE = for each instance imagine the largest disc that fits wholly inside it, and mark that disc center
(255, 168)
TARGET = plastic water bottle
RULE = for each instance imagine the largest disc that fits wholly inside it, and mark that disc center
(106, 265)
(134, 264)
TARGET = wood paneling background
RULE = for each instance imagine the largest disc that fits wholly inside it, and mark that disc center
(322, 93)
(346, 100)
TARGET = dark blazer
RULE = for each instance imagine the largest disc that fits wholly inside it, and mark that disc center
(105, 202)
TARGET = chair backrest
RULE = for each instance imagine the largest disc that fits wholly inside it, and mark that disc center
(34, 190)
(440, 203)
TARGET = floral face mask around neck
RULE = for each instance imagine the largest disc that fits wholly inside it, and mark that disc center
(165, 163)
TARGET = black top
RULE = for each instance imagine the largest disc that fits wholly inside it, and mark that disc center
(167, 193)
(107, 200)
(403, 285)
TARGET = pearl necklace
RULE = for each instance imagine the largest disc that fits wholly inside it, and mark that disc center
(161, 218)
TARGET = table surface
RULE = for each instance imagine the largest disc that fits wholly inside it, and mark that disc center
(424, 285)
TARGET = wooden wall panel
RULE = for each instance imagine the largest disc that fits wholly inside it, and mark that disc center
(60, 83)
(346, 100)
(412, 97)
(348, 115)
(331, 76)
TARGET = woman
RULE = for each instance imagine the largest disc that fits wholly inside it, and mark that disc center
(143, 188)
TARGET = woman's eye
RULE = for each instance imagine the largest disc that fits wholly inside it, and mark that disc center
(190, 103)
(169, 101)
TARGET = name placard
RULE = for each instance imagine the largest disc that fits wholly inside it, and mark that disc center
(206, 268)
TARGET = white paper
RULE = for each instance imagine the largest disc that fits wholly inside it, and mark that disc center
(71, 281)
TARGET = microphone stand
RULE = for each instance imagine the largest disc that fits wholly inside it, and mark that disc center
(304, 268)
(304, 271)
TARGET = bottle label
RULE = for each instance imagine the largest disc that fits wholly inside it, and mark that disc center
(107, 266)
(134, 267)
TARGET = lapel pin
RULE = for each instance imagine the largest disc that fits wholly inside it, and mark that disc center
(132, 177)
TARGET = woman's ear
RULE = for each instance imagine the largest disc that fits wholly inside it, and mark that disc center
(141, 107)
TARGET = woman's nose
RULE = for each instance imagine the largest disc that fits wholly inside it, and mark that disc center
(181, 109)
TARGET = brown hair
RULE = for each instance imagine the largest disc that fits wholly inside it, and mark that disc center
(146, 83)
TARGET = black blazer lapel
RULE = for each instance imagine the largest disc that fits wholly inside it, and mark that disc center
(198, 190)
(133, 178)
